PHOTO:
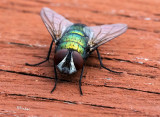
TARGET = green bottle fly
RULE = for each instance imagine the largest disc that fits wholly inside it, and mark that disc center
(75, 42)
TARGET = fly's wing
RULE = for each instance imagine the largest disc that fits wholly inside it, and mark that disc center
(55, 23)
(104, 33)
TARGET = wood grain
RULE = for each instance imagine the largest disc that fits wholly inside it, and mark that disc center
(25, 90)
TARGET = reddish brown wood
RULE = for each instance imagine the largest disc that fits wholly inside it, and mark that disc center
(25, 90)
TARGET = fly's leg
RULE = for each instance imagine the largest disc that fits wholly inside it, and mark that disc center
(80, 80)
(56, 78)
(100, 60)
(49, 52)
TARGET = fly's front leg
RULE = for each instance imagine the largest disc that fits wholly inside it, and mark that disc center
(100, 60)
(49, 52)
(56, 78)
(80, 80)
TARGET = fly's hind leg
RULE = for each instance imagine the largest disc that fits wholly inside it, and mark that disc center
(49, 52)
(100, 60)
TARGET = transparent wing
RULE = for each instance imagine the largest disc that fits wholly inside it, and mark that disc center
(55, 23)
(104, 33)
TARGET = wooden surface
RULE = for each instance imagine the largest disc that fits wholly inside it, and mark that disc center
(25, 90)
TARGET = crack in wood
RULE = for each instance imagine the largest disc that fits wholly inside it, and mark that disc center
(23, 11)
(132, 89)
(20, 44)
(40, 1)
(134, 74)
(24, 73)
(134, 62)
(36, 98)
(54, 99)
(143, 75)
(20, 4)
(133, 28)
(96, 23)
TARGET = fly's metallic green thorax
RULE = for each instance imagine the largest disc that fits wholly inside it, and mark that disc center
(74, 38)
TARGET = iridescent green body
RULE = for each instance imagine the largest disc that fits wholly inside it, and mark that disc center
(74, 39)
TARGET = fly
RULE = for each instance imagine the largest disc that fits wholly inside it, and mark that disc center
(75, 42)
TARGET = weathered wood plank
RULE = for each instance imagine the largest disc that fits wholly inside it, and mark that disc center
(37, 89)
(24, 90)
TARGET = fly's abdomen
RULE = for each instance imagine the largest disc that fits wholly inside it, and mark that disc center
(73, 46)
(75, 40)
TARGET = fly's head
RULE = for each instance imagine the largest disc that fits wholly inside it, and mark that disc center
(68, 61)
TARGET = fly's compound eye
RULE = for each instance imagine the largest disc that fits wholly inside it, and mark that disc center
(59, 56)
(77, 59)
